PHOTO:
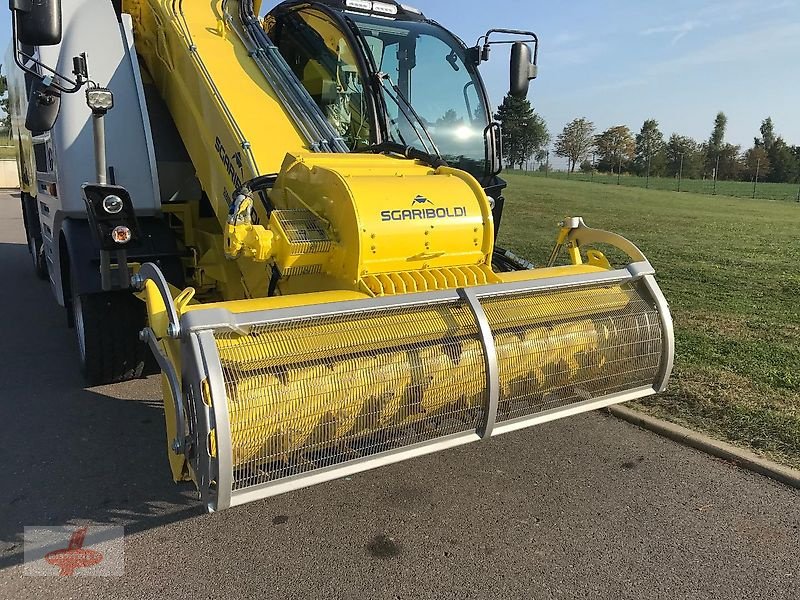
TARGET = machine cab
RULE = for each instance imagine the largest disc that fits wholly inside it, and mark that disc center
(389, 75)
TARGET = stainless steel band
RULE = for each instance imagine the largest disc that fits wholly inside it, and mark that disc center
(221, 477)
(490, 360)
(667, 332)
(222, 319)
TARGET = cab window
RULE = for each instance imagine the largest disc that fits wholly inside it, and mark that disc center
(324, 62)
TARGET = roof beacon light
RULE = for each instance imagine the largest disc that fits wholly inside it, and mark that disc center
(359, 4)
(384, 8)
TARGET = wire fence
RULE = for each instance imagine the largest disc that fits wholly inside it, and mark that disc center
(740, 189)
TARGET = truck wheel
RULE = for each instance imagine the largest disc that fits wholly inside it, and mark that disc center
(36, 248)
(107, 326)
(32, 231)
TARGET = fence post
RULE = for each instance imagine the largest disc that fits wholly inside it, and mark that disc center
(680, 173)
(755, 181)
(716, 173)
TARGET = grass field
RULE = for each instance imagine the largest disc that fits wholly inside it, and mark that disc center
(739, 189)
(730, 268)
(8, 152)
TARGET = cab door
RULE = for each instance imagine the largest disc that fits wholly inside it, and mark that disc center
(324, 59)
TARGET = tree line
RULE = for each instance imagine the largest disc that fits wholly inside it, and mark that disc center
(648, 152)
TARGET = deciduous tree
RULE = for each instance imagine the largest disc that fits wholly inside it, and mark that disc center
(5, 120)
(767, 138)
(730, 162)
(715, 142)
(784, 166)
(576, 141)
(683, 150)
(756, 163)
(649, 150)
(616, 147)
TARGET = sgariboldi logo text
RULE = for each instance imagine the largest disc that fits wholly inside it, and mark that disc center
(423, 213)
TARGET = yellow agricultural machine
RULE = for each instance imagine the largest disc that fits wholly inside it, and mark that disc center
(306, 200)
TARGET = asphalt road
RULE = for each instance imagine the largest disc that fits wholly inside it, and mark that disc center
(589, 507)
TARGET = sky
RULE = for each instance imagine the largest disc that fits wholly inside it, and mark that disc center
(680, 62)
(620, 62)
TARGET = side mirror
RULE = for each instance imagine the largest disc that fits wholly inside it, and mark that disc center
(523, 69)
(38, 22)
(44, 103)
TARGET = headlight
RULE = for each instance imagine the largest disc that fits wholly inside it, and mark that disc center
(121, 235)
(112, 204)
(100, 99)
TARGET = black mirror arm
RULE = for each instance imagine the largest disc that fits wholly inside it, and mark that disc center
(55, 78)
(485, 43)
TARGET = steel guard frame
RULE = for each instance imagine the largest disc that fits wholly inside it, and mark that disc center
(204, 387)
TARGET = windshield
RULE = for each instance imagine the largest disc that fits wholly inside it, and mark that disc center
(427, 66)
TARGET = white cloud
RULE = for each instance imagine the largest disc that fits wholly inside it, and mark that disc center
(771, 41)
(621, 84)
(678, 31)
(736, 10)
(564, 38)
(718, 13)
(570, 56)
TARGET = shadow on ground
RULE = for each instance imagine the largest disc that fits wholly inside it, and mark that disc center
(71, 455)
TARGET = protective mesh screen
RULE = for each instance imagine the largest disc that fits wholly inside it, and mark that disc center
(318, 392)
(314, 393)
(558, 348)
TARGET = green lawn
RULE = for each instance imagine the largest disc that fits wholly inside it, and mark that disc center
(730, 268)
(740, 189)
(8, 152)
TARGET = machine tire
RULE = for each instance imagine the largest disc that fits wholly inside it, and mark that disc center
(36, 248)
(107, 326)
(34, 236)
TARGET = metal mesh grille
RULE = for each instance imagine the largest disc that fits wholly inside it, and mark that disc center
(314, 393)
(304, 232)
(558, 348)
(304, 270)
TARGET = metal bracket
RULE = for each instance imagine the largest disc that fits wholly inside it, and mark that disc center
(150, 272)
(490, 360)
(179, 443)
(582, 235)
(106, 281)
(567, 224)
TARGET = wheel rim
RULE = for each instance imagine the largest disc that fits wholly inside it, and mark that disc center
(79, 326)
